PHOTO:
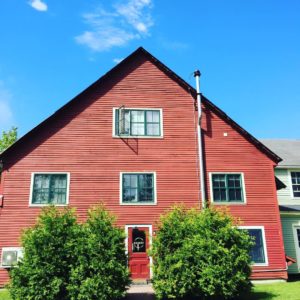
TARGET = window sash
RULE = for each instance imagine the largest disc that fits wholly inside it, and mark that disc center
(49, 189)
(227, 188)
(295, 178)
(137, 188)
(130, 125)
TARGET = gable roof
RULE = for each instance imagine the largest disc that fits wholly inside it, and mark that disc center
(167, 71)
(289, 150)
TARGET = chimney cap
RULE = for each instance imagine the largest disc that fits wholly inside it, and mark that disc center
(197, 73)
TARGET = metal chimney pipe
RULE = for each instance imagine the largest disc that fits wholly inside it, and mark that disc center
(197, 75)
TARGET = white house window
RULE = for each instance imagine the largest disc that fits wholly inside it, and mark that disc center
(10, 256)
(138, 188)
(295, 176)
(138, 122)
(258, 253)
(49, 188)
(227, 187)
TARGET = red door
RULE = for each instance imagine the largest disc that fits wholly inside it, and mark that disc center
(138, 244)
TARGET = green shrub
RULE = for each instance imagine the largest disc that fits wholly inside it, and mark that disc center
(66, 260)
(200, 254)
(101, 272)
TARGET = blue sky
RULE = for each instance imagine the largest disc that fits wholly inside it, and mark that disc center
(248, 52)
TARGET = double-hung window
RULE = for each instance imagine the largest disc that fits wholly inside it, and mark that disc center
(227, 187)
(138, 188)
(49, 188)
(138, 122)
(258, 253)
(295, 177)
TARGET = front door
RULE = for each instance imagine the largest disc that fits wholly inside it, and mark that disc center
(297, 243)
(138, 244)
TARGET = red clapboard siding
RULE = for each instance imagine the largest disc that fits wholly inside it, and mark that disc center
(79, 141)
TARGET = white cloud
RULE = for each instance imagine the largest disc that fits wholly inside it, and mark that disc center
(125, 22)
(6, 115)
(38, 5)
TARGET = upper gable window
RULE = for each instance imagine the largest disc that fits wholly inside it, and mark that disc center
(295, 176)
(227, 188)
(49, 188)
(138, 122)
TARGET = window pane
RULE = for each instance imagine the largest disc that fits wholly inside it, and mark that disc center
(296, 183)
(257, 253)
(137, 116)
(137, 129)
(152, 129)
(129, 195)
(152, 116)
(133, 181)
(234, 180)
(218, 180)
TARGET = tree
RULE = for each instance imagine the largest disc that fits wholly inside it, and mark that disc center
(200, 254)
(65, 260)
(8, 138)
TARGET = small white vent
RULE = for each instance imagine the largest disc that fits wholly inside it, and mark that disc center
(10, 256)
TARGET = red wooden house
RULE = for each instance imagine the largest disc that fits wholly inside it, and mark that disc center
(130, 140)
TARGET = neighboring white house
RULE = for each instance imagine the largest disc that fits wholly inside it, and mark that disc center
(288, 181)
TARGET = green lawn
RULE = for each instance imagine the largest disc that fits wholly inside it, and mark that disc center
(274, 291)
(4, 295)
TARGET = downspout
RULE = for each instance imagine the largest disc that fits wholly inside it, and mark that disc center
(197, 75)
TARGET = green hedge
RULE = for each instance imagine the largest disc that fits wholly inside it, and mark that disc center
(200, 254)
(67, 260)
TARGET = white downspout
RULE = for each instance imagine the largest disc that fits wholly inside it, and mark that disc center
(197, 75)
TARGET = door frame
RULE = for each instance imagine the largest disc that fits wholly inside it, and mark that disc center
(296, 243)
(150, 241)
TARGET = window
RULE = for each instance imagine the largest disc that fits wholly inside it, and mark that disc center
(138, 188)
(49, 189)
(227, 188)
(295, 176)
(138, 122)
(258, 253)
(10, 256)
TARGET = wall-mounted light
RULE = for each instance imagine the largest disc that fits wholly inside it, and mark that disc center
(1, 200)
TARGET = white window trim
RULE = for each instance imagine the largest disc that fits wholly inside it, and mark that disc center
(262, 228)
(231, 202)
(137, 203)
(150, 242)
(161, 136)
(297, 248)
(42, 205)
(20, 254)
(290, 183)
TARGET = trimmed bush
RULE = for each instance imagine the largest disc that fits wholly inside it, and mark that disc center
(101, 272)
(200, 254)
(66, 260)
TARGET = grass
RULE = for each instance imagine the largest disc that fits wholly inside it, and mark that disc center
(276, 291)
(4, 295)
(273, 291)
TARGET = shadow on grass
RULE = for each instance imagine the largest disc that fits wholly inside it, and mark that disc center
(258, 296)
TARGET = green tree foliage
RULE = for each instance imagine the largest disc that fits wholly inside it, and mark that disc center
(8, 138)
(66, 260)
(200, 254)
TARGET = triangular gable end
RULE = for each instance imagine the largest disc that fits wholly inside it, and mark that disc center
(169, 73)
